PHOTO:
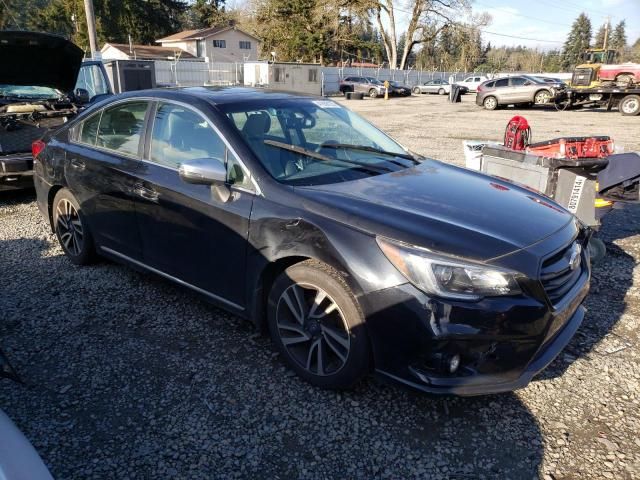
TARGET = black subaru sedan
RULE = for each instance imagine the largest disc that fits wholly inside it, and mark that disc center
(294, 212)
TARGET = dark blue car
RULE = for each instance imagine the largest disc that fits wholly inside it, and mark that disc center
(295, 213)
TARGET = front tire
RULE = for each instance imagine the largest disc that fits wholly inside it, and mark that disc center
(373, 93)
(317, 325)
(416, 90)
(542, 97)
(630, 105)
(72, 230)
(441, 91)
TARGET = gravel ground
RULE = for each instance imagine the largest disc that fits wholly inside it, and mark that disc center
(128, 376)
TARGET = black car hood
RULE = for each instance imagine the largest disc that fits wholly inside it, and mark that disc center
(442, 207)
(39, 59)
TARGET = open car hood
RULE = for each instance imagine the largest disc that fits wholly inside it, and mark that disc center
(39, 59)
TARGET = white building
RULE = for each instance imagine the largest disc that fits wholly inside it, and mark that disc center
(216, 44)
(295, 77)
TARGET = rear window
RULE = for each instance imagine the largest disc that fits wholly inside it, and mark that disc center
(89, 129)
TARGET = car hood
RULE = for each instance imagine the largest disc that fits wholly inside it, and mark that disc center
(441, 207)
(39, 59)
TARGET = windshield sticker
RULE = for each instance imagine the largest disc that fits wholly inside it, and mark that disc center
(325, 104)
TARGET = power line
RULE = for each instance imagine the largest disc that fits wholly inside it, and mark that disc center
(521, 15)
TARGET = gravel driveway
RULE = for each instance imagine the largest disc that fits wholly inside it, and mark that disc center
(128, 376)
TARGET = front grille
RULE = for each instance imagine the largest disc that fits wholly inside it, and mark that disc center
(560, 272)
(581, 77)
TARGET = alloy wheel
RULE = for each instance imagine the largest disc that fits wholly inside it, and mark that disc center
(69, 227)
(312, 329)
(490, 103)
(542, 97)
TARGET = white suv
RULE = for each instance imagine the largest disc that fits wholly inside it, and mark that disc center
(472, 82)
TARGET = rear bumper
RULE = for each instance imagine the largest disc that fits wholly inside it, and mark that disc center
(16, 171)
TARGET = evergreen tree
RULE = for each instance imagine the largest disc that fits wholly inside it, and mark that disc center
(619, 37)
(205, 13)
(577, 42)
(599, 39)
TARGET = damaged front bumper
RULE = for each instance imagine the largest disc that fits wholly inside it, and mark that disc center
(499, 344)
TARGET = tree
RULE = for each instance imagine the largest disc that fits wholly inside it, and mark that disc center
(619, 38)
(427, 19)
(604, 30)
(205, 13)
(578, 41)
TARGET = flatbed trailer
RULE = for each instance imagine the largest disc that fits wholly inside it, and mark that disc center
(626, 100)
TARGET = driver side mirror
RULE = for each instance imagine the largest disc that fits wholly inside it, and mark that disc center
(81, 96)
(203, 171)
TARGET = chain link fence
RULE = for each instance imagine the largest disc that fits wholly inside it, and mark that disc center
(192, 73)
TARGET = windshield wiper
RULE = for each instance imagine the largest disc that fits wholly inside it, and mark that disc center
(324, 158)
(366, 148)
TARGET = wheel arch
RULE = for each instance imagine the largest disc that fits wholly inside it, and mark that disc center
(51, 195)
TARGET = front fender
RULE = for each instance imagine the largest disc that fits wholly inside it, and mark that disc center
(281, 236)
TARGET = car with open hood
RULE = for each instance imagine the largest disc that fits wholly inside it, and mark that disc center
(43, 84)
(294, 212)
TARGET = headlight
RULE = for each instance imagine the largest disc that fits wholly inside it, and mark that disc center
(448, 277)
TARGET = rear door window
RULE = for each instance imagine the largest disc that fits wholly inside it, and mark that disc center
(121, 127)
(503, 82)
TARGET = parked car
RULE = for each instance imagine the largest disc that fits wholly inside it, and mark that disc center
(556, 82)
(398, 89)
(35, 100)
(368, 85)
(294, 212)
(518, 90)
(439, 86)
(472, 82)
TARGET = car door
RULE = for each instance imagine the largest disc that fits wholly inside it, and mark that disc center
(188, 231)
(102, 162)
(519, 90)
(431, 87)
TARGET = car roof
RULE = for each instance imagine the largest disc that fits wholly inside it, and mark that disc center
(217, 95)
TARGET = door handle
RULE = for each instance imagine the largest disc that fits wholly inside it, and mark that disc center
(77, 164)
(145, 192)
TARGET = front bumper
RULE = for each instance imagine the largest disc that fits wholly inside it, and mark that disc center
(16, 171)
(502, 342)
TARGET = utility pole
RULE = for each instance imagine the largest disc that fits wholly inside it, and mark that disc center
(91, 26)
(606, 33)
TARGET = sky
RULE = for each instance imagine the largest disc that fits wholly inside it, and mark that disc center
(546, 23)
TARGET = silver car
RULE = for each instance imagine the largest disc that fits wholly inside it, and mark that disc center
(520, 90)
(439, 86)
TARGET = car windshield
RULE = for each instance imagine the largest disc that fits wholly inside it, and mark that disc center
(23, 91)
(314, 142)
(375, 81)
(535, 80)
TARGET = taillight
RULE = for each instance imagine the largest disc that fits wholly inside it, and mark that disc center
(37, 147)
(479, 88)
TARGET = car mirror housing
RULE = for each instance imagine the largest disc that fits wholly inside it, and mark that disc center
(81, 96)
(203, 171)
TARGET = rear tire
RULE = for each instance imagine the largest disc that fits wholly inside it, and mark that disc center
(72, 230)
(318, 326)
(630, 105)
(490, 103)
